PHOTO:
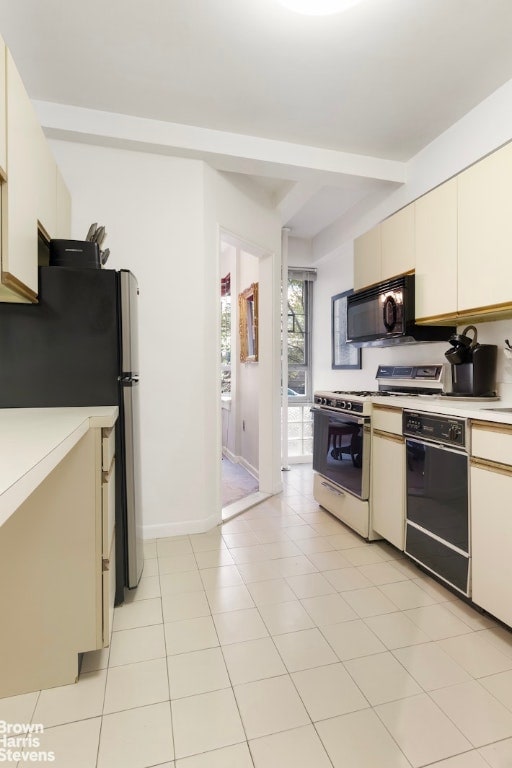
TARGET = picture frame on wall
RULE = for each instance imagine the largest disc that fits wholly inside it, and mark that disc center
(344, 356)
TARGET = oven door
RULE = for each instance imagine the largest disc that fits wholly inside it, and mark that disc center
(341, 450)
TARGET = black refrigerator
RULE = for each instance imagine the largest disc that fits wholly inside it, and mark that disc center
(78, 347)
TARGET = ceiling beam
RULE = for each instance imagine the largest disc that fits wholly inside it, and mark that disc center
(225, 151)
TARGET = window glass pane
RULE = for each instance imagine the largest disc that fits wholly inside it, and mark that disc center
(296, 382)
(297, 327)
(294, 414)
(295, 429)
(295, 447)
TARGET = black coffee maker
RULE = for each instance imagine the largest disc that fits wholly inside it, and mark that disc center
(473, 365)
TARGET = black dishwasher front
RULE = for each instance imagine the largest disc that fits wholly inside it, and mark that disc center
(437, 513)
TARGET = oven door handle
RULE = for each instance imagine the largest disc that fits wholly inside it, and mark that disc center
(341, 416)
(334, 491)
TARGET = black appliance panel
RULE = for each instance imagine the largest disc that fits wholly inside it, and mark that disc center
(437, 491)
(62, 351)
(66, 351)
(385, 313)
(442, 429)
(443, 561)
(339, 447)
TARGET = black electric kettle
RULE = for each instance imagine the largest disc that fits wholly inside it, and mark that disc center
(462, 346)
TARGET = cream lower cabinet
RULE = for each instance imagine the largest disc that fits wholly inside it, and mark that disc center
(108, 498)
(491, 519)
(56, 589)
(388, 475)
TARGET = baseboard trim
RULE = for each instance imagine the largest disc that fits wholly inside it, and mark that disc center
(243, 463)
(182, 528)
(242, 505)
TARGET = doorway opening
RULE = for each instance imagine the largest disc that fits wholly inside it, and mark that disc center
(248, 421)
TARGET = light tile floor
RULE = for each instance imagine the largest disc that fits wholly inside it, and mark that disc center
(283, 640)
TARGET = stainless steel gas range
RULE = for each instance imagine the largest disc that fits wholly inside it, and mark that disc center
(342, 440)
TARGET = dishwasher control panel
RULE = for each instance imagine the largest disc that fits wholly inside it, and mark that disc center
(447, 430)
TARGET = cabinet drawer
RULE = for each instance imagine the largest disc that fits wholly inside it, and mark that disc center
(108, 447)
(343, 505)
(492, 441)
(387, 419)
(108, 493)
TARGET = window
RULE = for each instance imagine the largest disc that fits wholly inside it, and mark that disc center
(299, 302)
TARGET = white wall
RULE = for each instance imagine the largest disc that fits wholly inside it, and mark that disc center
(161, 217)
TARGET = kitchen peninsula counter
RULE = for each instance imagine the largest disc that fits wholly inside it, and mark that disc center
(450, 406)
(57, 555)
(34, 440)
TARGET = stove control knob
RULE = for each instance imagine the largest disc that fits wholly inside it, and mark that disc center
(324, 401)
(349, 405)
(454, 432)
(342, 404)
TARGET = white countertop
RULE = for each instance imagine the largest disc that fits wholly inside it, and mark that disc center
(34, 440)
(450, 406)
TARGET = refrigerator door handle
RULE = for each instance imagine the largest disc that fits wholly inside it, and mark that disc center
(128, 379)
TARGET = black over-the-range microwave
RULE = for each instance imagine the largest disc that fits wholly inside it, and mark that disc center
(384, 314)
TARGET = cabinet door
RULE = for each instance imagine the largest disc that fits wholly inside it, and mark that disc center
(485, 232)
(436, 252)
(45, 179)
(63, 230)
(19, 195)
(3, 113)
(388, 495)
(397, 243)
(367, 258)
(491, 535)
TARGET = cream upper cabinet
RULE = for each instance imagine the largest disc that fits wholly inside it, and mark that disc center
(45, 178)
(386, 250)
(485, 232)
(19, 195)
(397, 243)
(34, 196)
(3, 113)
(63, 227)
(367, 258)
(436, 252)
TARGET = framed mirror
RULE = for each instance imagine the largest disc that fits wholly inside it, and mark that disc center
(248, 312)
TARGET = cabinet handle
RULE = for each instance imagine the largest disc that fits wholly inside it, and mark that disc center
(388, 436)
(491, 466)
(332, 490)
(105, 564)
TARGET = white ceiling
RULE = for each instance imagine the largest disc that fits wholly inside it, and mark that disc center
(316, 103)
